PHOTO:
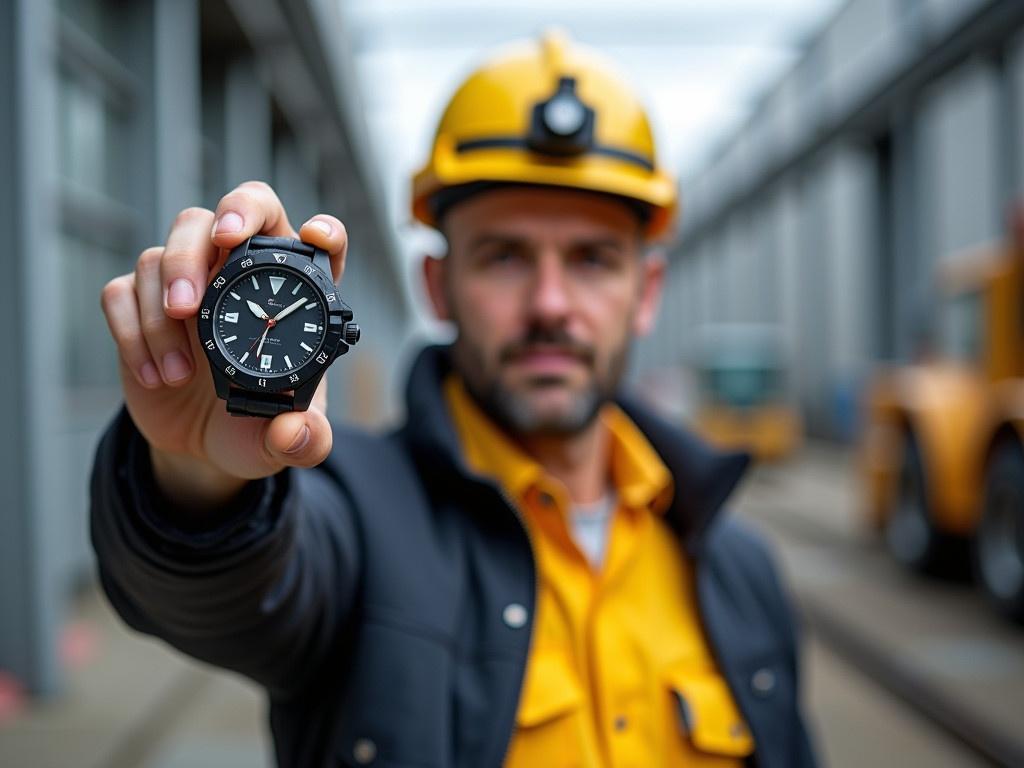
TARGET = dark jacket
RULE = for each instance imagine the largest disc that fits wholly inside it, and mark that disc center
(367, 594)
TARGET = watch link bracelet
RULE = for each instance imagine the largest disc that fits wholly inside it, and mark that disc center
(271, 323)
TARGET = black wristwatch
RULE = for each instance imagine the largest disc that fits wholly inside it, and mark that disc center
(271, 323)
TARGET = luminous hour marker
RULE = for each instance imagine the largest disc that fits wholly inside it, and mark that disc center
(255, 284)
(276, 283)
(235, 296)
(296, 289)
(288, 361)
(305, 346)
(230, 338)
(265, 362)
(231, 317)
(243, 357)
(311, 305)
(309, 327)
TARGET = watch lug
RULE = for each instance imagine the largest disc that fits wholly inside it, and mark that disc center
(304, 394)
(221, 383)
(238, 251)
(323, 260)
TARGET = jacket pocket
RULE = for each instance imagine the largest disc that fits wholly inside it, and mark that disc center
(706, 713)
(549, 718)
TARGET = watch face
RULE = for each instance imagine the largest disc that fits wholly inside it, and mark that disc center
(269, 321)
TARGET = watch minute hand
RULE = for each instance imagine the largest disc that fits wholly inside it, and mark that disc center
(290, 308)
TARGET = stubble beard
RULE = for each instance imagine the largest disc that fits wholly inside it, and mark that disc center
(514, 411)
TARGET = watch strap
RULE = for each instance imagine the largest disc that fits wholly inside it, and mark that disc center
(242, 402)
(318, 255)
(283, 243)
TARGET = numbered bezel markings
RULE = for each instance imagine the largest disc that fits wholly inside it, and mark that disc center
(337, 314)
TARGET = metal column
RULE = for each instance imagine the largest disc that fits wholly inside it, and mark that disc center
(30, 601)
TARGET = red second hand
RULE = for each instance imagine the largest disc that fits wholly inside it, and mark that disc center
(271, 322)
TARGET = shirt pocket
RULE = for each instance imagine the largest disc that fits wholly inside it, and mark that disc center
(550, 715)
(706, 715)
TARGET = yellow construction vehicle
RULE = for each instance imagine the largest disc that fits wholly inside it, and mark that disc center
(943, 444)
(741, 373)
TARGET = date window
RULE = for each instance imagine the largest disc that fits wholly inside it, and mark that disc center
(265, 362)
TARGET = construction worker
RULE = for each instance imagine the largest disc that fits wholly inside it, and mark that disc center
(533, 569)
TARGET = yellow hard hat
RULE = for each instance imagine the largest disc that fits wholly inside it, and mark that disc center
(552, 114)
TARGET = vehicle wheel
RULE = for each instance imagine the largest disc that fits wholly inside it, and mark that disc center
(909, 533)
(999, 540)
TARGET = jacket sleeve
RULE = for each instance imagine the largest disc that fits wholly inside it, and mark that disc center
(265, 592)
(789, 628)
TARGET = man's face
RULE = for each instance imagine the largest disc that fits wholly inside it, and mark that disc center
(546, 288)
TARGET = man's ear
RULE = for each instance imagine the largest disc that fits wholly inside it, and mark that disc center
(433, 279)
(652, 281)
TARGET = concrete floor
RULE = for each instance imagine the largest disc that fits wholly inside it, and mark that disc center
(132, 702)
(940, 634)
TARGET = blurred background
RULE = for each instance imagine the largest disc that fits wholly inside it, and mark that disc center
(845, 299)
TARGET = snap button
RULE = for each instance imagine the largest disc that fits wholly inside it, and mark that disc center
(620, 723)
(514, 615)
(364, 751)
(763, 681)
(545, 498)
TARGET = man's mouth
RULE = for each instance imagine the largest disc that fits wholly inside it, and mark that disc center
(546, 360)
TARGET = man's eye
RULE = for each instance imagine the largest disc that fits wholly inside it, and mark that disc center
(504, 256)
(595, 258)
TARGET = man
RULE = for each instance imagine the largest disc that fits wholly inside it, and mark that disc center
(532, 570)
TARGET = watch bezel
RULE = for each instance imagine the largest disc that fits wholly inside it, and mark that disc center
(254, 259)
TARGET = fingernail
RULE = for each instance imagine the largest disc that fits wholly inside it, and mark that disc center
(181, 293)
(176, 366)
(300, 441)
(322, 225)
(149, 374)
(228, 223)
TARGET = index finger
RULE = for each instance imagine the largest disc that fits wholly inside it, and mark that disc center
(251, 208)
(186, 261)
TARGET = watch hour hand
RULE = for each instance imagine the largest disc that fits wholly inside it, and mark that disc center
(290, 308)
(257, 310)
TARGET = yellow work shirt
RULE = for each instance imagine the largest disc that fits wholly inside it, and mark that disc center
(619, 672)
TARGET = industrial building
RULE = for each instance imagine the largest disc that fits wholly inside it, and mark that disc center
(123, 114)
(896, 141)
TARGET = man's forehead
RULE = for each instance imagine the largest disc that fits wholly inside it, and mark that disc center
(553, 214)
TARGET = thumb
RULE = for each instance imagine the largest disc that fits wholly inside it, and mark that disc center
(299, 439)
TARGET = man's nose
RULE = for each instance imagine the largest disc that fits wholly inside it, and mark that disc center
(551, 297)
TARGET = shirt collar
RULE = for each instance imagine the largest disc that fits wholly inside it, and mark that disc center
(638, 474)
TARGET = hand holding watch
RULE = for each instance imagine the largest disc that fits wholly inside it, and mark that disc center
(264, 281)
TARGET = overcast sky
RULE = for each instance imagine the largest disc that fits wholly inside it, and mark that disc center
(698, 65)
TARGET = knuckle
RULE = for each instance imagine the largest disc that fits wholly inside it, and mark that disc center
(113, 290)
(129, 339)
(178, 259)
(258, 186)
(190, 215)
(149, 259)
(153, 328)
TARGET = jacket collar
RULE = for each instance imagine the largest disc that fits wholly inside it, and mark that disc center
(704, 477)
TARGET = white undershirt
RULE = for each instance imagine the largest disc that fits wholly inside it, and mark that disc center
(589, 524)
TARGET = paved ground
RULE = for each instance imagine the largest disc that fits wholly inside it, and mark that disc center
(948, 650)
(133, 703)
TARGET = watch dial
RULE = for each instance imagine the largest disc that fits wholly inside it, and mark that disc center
(270, 321)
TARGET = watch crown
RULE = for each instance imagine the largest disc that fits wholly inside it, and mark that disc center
(351, 333)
